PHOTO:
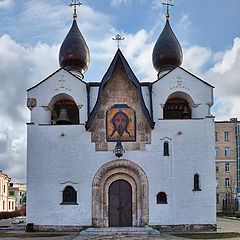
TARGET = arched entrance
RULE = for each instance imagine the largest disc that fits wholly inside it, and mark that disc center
(120, 204)
(131, 173)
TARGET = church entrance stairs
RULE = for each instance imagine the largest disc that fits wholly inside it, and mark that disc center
(120, 231)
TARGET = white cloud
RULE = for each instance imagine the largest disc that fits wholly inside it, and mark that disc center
(229, 59)
(225, 76)
(195, 58)
(118, 2)
(20, 68)
(6, 4)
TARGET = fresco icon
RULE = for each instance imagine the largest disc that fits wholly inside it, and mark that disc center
(121, 123)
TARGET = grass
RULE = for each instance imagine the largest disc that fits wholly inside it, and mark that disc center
(30, 235)
(208, 235)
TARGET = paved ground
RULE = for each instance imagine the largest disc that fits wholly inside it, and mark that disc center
(224, 225)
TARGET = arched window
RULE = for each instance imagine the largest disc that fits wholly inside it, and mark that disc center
(196, 182)
(161, 198)
(177, 108)
(166, 148)
(69, 195)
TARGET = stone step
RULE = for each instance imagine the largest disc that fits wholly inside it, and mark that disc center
(123, 231)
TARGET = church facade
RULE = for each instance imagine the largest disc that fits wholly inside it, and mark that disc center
(121, 152)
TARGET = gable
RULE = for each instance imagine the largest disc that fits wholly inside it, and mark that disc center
(181, 81)
(120, 99)
(117, 61)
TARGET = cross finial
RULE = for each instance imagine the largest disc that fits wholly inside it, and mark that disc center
(168, 4)
(74, 4)
(118, 38)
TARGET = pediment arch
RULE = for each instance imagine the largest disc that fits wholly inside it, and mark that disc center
(110, 172)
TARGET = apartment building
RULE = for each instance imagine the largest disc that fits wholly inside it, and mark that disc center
(237, 131)
(7, 203)
(226, 162)
(18, 191)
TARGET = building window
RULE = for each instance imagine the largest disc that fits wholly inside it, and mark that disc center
(4, 188)
(226, 151)
(217, 183)
(11, 193)
(217, 198)
(228, 197)
(9, 206)
(69, 195)
(3, 205)
(226, 136)
(161, 198)
(166, 148)
(196, 182)
(217, 166)
(216, 136)
(217, 151)
(227, 167)
(13, 205)
(227, 182)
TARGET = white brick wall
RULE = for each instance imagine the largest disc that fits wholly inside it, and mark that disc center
(54, 160)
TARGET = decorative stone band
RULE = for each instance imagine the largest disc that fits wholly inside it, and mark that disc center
(186, 227)
(161, 228)
(58, 228)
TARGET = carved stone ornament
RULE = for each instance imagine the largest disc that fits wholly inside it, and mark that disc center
(31, 103)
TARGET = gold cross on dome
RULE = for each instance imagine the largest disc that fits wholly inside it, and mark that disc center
(74, 4)
(167, 3)
(118, 38)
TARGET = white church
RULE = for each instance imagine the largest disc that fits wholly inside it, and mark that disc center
(121, 152)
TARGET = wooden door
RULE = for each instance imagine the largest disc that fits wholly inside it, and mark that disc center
(120, 204)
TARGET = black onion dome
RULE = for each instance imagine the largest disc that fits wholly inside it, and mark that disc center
(167, 52)
(74, 53)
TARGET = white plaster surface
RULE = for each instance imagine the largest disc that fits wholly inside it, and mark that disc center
(55, 161)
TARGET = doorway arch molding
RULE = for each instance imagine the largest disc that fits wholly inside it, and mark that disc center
(135, 176)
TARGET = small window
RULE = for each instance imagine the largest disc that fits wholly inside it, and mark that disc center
(217, 198)
(217, 183)
(227, 182)
(13, 205)
(161, 198)
(227, 167)
(69, 195)
(226, 136)
(4, 188)
(217, 166)
(166, 148)
(3, 205)
(196, 182)
(217, 151)
(226, 151)
(216, 136)
(11, 193)
(228, 197)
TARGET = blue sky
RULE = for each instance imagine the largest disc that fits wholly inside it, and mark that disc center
(32, 31)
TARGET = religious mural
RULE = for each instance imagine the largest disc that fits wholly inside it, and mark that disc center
(121, 123)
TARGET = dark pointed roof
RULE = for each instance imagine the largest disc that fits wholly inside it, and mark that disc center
(119, 57)
(74, 53)
(167, 53)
